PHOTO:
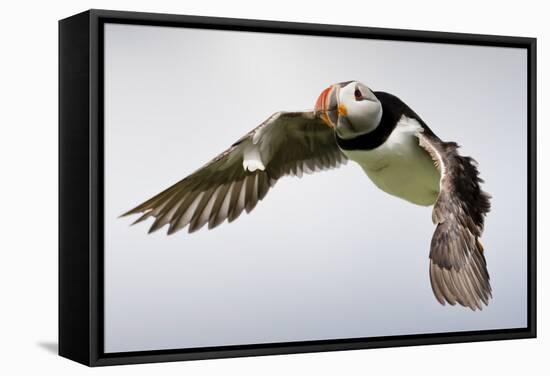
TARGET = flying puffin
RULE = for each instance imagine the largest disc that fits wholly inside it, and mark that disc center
(394, 147)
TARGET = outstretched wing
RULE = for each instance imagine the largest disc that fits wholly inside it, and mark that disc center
(287, 143)
(458, 270)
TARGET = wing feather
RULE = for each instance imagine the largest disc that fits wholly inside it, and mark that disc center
(218, 212)
(238, 201)
(184, 213)
(287, 143)
(458, 269)
(251, 193)
(199, 218)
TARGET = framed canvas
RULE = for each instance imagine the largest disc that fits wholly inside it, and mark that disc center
(292, 187)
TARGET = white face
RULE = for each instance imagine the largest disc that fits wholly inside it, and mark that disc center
(359, 111)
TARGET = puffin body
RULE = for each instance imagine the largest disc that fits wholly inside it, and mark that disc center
(392, 144)
(399, 166)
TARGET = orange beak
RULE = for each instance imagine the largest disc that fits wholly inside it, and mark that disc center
(325, 104)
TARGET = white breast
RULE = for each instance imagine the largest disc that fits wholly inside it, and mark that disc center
(400, 166)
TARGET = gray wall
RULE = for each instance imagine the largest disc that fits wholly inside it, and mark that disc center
(325, 256)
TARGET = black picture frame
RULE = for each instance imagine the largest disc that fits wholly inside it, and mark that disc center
(81, 182)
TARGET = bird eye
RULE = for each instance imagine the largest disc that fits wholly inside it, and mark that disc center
(358, 94)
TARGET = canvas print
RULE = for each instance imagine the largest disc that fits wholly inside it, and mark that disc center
(266, 188)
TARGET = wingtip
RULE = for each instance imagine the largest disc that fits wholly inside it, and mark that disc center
(154, 227)
(195, 226)
(124, 214)
(130, 212)
(140, 219)
(172, 230)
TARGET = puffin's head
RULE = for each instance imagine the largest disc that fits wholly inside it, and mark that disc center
(351, 108)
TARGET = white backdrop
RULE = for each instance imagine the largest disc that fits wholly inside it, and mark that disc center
(29, 175)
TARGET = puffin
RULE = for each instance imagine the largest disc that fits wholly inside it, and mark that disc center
(394, 147)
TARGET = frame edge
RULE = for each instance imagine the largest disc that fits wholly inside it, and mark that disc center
(74, 160)
(532, 185)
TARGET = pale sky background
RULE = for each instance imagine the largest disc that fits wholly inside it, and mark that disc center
(323, 257)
